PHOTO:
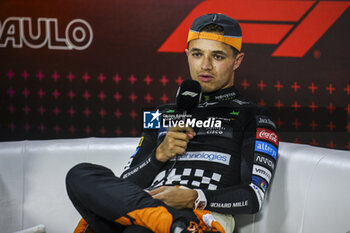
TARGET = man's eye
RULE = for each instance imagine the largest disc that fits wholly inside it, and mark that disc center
(196, 54)
(218, 57)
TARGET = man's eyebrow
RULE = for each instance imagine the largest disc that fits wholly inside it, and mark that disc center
(195, 50)
(219, 52)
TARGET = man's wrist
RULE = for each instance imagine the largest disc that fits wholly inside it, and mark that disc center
(201, 200)
(190, 195)
(193, 198)
(158, 154)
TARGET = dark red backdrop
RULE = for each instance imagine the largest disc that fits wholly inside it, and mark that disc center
(80, 83)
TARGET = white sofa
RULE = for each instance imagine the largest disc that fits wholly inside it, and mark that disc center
(310, 191)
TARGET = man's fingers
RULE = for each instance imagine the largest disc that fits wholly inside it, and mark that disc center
(158, 196)
(178, 136)
(188, 130)
(181, 144)
(161, 193)
(177, 147)
(157, 190)
(175, 143)
(179, 150)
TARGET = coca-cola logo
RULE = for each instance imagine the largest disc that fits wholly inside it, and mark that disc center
(267, 135)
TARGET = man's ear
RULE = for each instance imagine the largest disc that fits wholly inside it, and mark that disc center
(187, 52)
(238, 61)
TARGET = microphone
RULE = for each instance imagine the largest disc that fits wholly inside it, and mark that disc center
(188, 96)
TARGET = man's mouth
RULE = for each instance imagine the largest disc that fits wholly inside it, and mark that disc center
(205, 78)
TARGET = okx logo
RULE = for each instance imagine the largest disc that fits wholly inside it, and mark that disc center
(151, 120)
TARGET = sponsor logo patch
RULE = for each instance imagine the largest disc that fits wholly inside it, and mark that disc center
(234, 113)
(229, 204)
(208, 156)
(260, 182)
(137, 150)
(240, 102)
(227, 96)
(262, 172)
(266, 134)
(224, 131)
(259, 193)
(141, 140)
(266, 148)
(162, 131)
(265, 121)
(264, 160)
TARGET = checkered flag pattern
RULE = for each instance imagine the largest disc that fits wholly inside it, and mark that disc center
(197, 178)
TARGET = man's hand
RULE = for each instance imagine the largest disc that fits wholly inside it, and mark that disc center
(178, 198)
(174, 143)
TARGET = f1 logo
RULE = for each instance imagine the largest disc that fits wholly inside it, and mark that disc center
(189, 93)
(293, 25)
(151, 119)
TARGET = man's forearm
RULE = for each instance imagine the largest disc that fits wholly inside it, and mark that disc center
(177, 197)
(144, 172)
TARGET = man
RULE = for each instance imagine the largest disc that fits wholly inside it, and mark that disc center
(184, 179)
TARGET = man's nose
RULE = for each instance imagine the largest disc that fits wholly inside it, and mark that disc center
(206, 63)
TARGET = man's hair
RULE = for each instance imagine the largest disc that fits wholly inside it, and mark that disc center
(220, 30)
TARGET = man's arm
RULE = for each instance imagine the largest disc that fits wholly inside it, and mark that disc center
(258, 162)
(176, 197)
(143, 165)
(150, 157)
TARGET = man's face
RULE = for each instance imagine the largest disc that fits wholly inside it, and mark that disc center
(212, 64)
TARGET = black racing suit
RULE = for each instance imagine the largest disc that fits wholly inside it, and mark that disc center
(232, 163)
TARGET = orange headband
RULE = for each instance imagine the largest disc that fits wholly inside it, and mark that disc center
(235, 42)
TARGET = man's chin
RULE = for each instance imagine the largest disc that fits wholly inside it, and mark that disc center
(208, 89)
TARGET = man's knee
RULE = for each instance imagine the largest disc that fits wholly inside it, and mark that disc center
(87, 173)
(76, 174)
